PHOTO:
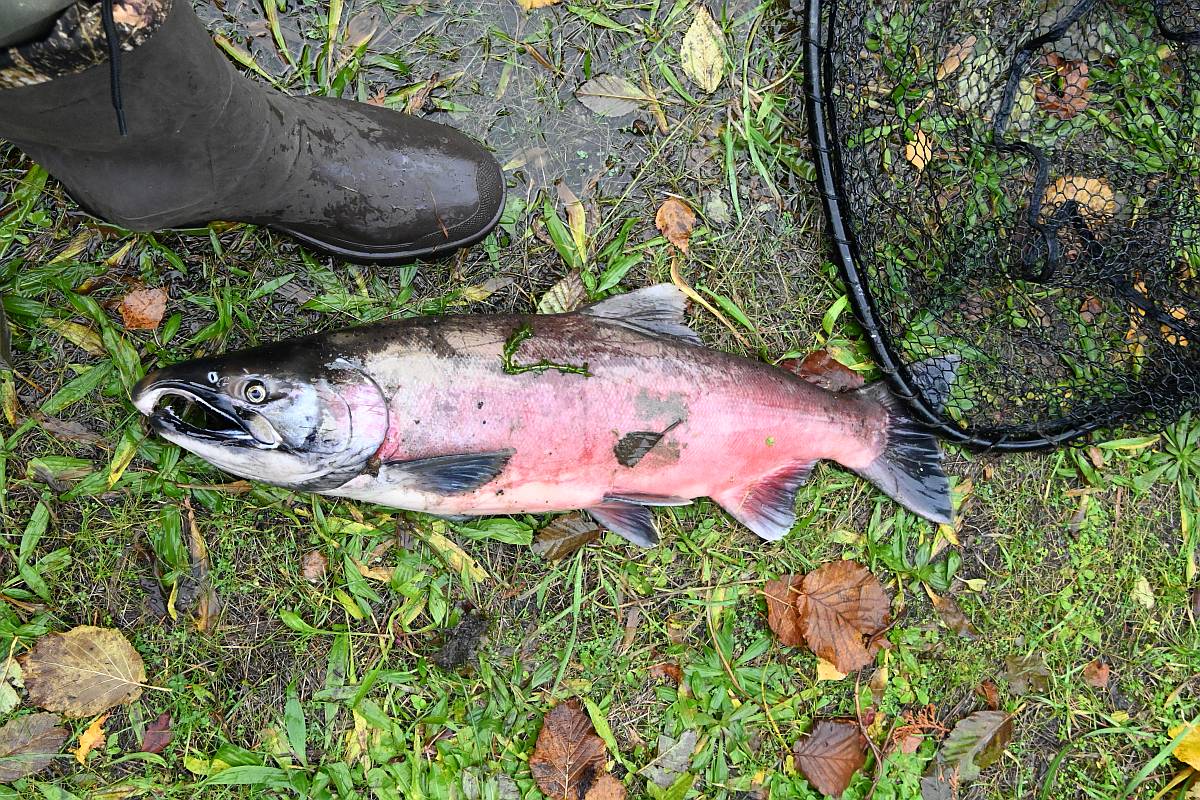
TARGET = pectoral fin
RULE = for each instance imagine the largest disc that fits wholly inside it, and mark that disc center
(768, 506)
(628, 520)
(454, 474)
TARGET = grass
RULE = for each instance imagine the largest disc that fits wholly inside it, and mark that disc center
(332, 687)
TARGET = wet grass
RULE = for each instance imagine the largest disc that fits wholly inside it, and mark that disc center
(1051, 548)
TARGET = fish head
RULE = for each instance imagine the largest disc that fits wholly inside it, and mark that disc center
(279, 414)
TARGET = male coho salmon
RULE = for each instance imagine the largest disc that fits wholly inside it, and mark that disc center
(614, 408)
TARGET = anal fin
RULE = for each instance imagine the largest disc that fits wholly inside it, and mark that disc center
(452, 474)
(768, 506)
(643, 499)
(628, 520)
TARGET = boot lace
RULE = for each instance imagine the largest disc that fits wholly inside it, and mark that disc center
(114, 62)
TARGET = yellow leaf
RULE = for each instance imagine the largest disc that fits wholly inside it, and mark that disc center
(1095, 197)
(676, 219)
(827, 671)
(455, 556)
(81, 336)
(955, 57)
(919, 151)
(1188, 749)
(89, 739)
(1142, 594)
(576, 219)
(529, 5)
(702, 52)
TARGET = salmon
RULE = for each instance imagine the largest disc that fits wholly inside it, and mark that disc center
(615, 409)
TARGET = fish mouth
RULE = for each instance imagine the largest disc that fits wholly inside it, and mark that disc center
(181, 409)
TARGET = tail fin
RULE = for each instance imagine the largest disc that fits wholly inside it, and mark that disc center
(910, 468)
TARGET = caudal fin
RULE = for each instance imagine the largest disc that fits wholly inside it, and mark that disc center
(910, 469)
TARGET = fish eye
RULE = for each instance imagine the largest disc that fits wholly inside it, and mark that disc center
(255, 392)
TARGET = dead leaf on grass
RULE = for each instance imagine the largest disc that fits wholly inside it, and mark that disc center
(158, 734)
(529, 5)
(954, 57)
(919, 151)
(83, 672)
(990, 694)
(1064, 93)
(1096, 674)
(821, 368)
(673, 759)
(668, 670)
(1027, 672)
(952, 616)
(90, 738)
(143, 309)
(208, 605)
(566, 295)
(313, 566)
(564, 535)
(782, 616)
(702, 51)
(830, 755)
(840, 603)
(676, 219)
(1188, 748)
(1095, 197)
(606, 787)
(28, 745)
(976, 742)
(569, 757)
(610, 95)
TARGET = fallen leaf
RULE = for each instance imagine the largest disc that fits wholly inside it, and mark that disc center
(1188, 749)
(676, 219)
(208, 605)
(606, 787)
(68, 430)
(830, 755)
(952, 616)
(83, 337)
(568, 755)
(782, 617)
(90, 738)
(668, 670)
(1065, 92)
(576, 220)
(158, 734)
(1096, 673)
(702, 52)
(1091, 309)
(564, 535)
(1094, 196)
(919, 151)
(361, 30)
(610, 95)
(143, 309)
(673, 759)
(28, 745)
(828, 672)
(565, 296)
(529, 5)
(976, 742)
(940, 782)
(313, 566)
(10, 681)
(839, 604)
(954, 57)
(1026, 672)
(822, 369)
(83, 672)
(462, 641)
(1142, 594)
(878, 684)
(990, 694)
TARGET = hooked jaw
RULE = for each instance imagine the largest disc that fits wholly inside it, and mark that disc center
(183, 410)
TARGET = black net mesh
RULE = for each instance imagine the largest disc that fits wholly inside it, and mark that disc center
(1018, 183)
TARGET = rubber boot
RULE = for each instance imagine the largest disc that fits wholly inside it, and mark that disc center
(204, 143)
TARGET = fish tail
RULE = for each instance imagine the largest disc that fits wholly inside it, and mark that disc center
(910, 468)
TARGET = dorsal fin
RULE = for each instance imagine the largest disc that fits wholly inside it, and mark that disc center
(656, 309)
(768, 506)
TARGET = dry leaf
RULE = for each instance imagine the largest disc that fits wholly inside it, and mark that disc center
(1090, 310)
(1025, 672)
(28, 745)
(90, 738)
(565, 296)
(81, 336)
(702, 52)
(822, 369)
(564, 535)
(839, 604)
(529, 5)
(952, 616)
(828, 672)
(919, 151)
(676, 219)
(1065, 93)
(1142, 594)
(568, 755)
(68, 430)
(83, 672)
(1187, 751)
(990, 694)
(10, 681)
(144, 309)
(158, 734)
(976, 742)
(576, 217)
(313, 566)
(610, 95)
(1095, 674)
(673, 759)
(1095, 197)
(782, 617)
(954, 57)
(830, 755)
(668, 670)
(606, 787)
(208, 605)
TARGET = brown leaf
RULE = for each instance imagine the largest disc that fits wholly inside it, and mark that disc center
(824, 370)
(953, 617)
(68, 430)
(28, 745)
(1095, 197)
(1064, 93)
(839, 604)
(158, 734)
(313, 566)
(955, 57)
(669, 670)
(919, 151)
(676, 219)
(990, 694)
(566, 295)
(143, 309)
(606, 787)
(208, 605)
(830, 755)
(1090, 309)
(568, 756)
(1026, 672)
(564, 535)
(90, 738)
(83, 672)
(782, 618)
(1096, 673)
(977, 741)
(529, 5)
